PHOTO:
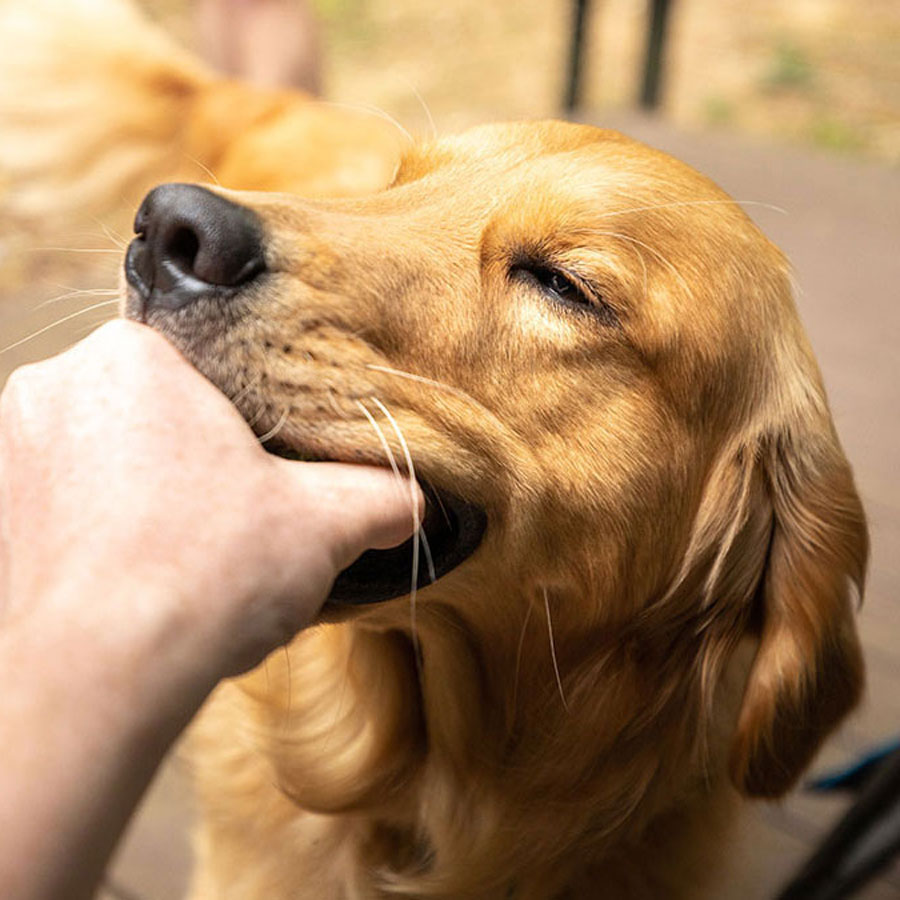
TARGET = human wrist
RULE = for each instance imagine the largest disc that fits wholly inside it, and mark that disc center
(135, 652)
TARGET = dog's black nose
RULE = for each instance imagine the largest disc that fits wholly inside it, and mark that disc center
(191, 242)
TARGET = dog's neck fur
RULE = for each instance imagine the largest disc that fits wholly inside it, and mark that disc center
(429, 783)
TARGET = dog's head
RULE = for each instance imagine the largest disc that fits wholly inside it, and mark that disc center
(591, 359)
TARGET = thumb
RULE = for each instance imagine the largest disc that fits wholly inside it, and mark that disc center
(356, 507)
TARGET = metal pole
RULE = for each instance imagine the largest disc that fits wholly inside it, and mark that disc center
(572, 98)
(656, 39)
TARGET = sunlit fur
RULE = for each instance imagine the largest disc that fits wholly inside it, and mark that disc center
(665, 493)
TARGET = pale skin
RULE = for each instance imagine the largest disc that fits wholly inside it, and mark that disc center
(149, 547)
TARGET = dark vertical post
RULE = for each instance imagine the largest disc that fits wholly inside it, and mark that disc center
(864, 841)
(656, 39)
(572, 99)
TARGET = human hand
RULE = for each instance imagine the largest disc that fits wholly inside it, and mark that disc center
(148, 547)
(139, 512)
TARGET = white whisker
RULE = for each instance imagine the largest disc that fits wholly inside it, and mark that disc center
(277, 427)
(392, 462)
(677, 203)
(515, 695)
(559, 684)
(426, 548)
(203, 168)
(372, 111)
(258, 414)
(61, 321)
(118, 239)
(429, 560)
(447, 388)
(78, 292)
(249, 386)
(414, 581)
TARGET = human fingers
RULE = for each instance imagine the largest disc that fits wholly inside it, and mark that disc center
(356, 507)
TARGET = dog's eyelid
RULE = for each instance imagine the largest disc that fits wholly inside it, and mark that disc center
(568, 286)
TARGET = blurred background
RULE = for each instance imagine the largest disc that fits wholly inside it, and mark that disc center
(818, 73)
(793, 107)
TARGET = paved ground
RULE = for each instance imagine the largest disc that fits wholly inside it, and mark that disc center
(841, 227)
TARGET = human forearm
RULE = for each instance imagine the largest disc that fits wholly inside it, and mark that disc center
(82, 734)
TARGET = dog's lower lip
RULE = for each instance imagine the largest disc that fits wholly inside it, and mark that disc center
(453, 529)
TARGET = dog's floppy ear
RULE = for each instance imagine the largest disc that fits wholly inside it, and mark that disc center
(808, 670)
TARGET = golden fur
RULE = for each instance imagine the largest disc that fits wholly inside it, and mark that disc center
(659, 619)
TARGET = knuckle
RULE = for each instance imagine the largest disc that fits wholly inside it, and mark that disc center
(19, 386)
(17, 400)
(117, 335)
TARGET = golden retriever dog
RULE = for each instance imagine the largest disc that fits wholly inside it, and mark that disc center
(631, 602)
(633, 587)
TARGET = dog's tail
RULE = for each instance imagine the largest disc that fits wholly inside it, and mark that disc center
(97, 104)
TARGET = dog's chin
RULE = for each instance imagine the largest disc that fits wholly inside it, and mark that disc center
(452, 530)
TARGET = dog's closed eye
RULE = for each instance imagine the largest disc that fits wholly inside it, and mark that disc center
(565, 289)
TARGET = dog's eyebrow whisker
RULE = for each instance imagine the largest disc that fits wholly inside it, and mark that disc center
(61, 321)
(417, 535)
(518, 666)
(372, 111)
(276, 428)
(447, 388)
(679, 203)
(636, 243)
(638, 254)
(647, 247)
(559, 684)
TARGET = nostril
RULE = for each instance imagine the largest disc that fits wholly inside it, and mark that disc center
(182, 248)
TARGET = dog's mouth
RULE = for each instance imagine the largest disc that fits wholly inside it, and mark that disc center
(450, 532)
